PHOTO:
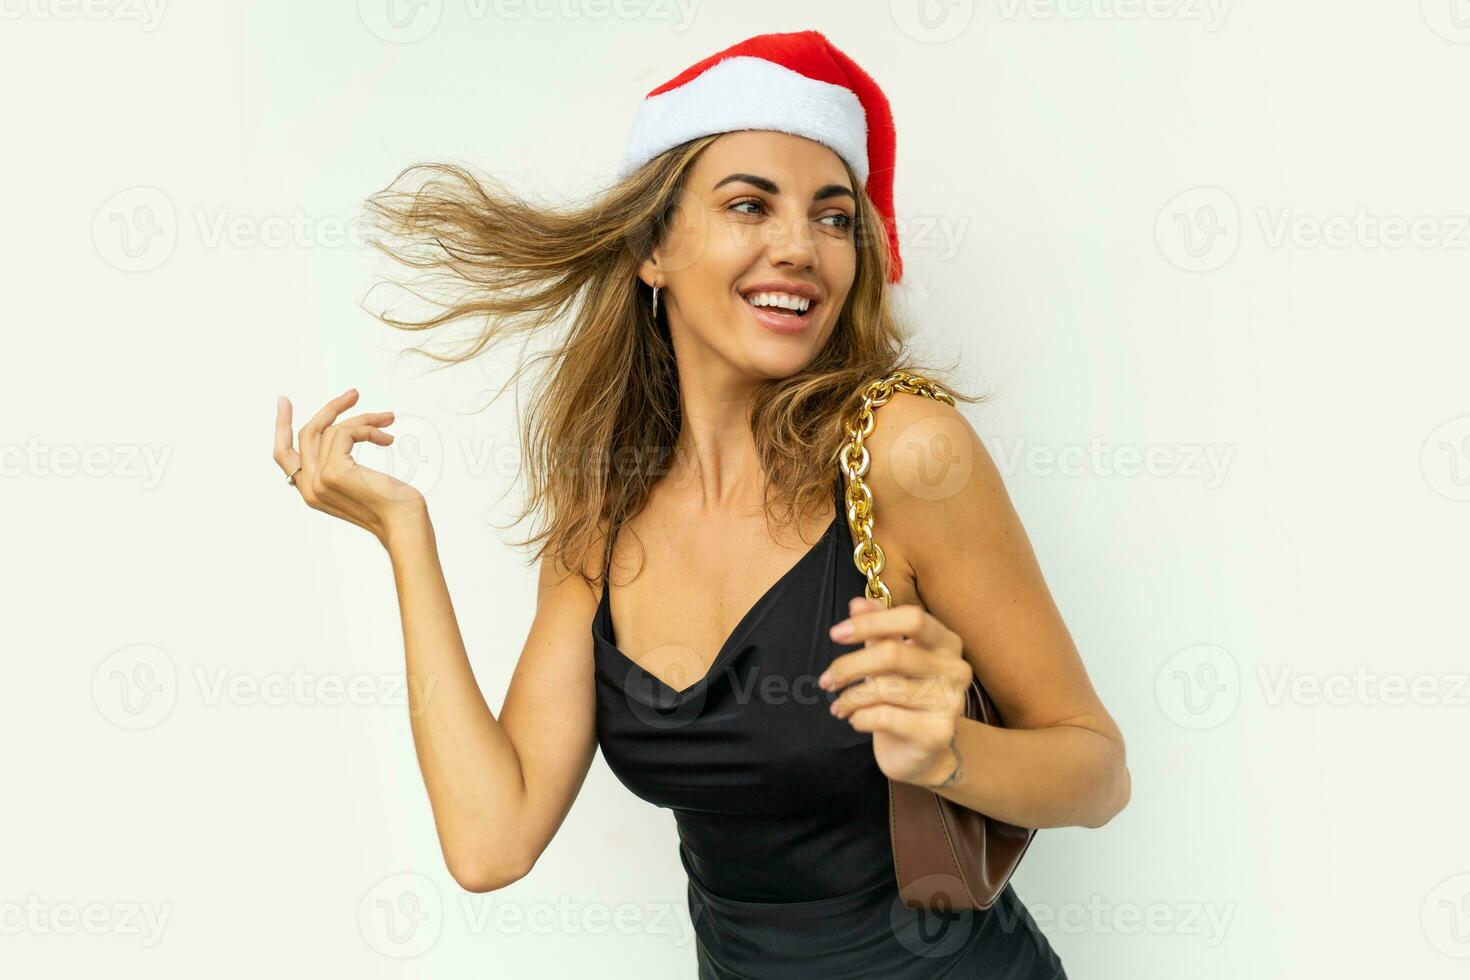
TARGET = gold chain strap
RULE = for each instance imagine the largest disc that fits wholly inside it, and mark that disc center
(853, 460)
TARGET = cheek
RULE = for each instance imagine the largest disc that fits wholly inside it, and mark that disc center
(836, 264)
(842, 254)
(736, 245)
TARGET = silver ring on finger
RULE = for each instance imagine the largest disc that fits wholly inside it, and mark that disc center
(292, 478)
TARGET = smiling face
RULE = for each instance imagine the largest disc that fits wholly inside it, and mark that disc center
(763, 216)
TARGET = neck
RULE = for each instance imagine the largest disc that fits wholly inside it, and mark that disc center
(715, 465)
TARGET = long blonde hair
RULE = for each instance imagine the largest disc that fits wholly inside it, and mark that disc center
(605, 418)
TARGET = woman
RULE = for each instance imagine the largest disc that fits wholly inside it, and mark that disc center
(728, 301)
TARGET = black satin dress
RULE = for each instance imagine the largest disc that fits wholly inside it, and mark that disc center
(781, 809)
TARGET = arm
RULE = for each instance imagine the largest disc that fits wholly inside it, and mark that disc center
(942, 511)
(499, 788)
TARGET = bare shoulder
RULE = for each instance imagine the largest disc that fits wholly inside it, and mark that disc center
(916, 425)
(559, 576)
(931, 478)
(927, 451)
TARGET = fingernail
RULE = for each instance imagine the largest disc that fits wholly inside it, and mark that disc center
(843, 630)
(825, 680)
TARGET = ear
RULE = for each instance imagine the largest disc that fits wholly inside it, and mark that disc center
(650, 271)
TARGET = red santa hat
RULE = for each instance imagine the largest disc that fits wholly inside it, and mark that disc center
(797, 83)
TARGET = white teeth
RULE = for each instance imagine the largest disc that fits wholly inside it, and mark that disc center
(784, 300)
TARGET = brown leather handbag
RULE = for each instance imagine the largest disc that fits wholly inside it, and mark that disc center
(945, 856)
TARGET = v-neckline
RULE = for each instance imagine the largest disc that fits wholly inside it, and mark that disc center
(737, 633)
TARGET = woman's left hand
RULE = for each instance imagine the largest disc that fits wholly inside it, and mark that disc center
(913, 683)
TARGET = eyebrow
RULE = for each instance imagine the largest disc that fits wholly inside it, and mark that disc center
(769, 186)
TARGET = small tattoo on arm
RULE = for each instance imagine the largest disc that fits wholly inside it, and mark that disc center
(958, 762)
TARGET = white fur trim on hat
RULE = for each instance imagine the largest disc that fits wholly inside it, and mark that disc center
(750, 93)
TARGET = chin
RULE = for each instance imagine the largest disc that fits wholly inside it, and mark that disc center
(771, 365)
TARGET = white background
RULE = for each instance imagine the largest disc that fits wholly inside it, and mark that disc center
(1109, 212)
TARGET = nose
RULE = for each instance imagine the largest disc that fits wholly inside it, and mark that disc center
(792, 243)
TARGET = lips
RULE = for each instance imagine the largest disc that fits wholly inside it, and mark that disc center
(782, 323)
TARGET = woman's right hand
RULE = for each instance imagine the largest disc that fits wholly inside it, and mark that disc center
(330, 480)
